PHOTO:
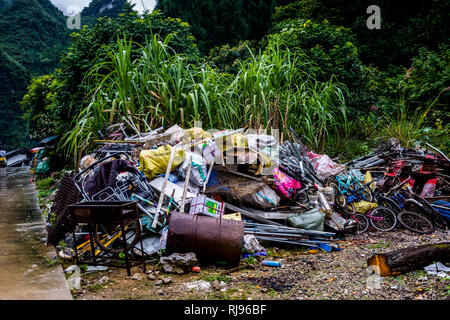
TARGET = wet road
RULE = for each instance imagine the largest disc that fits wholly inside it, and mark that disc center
(24, 273)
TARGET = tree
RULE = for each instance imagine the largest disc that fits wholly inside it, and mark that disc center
(218, 22)
(36, 105)
(406, 25)
(88, 46)
(327, 51)
(32, 36)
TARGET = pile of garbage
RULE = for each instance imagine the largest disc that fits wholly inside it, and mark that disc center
(220, 196)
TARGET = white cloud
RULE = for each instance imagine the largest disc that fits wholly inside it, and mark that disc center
(70, 7)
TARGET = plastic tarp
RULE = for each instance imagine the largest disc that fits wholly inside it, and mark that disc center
(309, 220)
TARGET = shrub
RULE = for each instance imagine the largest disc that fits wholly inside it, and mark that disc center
(330, 51)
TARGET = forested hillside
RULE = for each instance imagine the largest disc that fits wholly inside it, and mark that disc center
(101, 8)
(33, 37)
(218, 22)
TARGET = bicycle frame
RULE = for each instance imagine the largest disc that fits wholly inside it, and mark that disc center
(354, 194)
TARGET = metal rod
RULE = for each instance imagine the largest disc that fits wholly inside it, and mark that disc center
(207, 177)
(439, 151)
(186, 183)
(164, 185)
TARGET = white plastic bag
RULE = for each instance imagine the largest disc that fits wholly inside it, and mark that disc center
(199, 169)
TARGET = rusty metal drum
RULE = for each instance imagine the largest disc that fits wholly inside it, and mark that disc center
(211, 239)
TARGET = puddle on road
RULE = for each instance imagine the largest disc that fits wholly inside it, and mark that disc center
(23, 270)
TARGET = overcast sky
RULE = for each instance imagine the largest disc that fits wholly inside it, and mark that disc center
(70, 7)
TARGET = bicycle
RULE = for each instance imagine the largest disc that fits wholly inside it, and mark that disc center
(411, 212)
(380, 218)
(349, 191)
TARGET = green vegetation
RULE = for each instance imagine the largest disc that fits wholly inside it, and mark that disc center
(219, 278)
(32, 37)
(312, 65)
(265, 90)
(220, 22)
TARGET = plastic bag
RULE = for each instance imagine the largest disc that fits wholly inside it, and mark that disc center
(262, 142)
(155, 161)
(364, 206)
(368, 179)
(199, 169)
(196, 134)
(265, 198)
(356, 174)
(429, 188)
(43, 166)
(251, 244)
(324, 166)
(209, 150)
(309, 220)
(285, 184)
(337, 222)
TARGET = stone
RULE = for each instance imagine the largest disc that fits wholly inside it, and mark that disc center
(151, 277)
(199, 285)
(103, 280)
(159, 282)
(215, 285)
(179, 263)
(167, 280)
(136, 276)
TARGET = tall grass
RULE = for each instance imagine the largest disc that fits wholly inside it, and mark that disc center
(271, 90)
(409, 122)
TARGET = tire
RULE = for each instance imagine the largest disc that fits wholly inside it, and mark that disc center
(391, 204)
(388, 221)
(339, 199)
(415, 222)
(362, 223)
(435, 216)
(350, 208)
(110, 230)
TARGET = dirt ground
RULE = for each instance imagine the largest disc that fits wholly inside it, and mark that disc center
(306, 275)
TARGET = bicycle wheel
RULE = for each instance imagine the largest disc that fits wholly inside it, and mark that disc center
(350, 208)
(388, 202)
(382, 219)
(339, 198)
(435, 216)
(362, 223)
(106, 235)
(415, 222)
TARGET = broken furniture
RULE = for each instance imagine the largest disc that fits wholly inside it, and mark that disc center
(107, 222)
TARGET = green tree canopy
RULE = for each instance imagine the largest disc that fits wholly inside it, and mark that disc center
(218, 22)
